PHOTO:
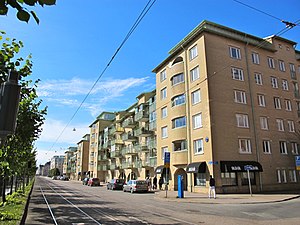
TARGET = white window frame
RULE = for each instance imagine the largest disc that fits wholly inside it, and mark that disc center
(294, 148)
(242, 120)
(177, 79)
(258, 78)
(237, 74)
(255, 58)
(261, 100)
(197, 121)
(292, 176)
(271, 63)
(235, 52)
(164, 112)
(194, 95)
(163, 75)
(198, 146)
(240, 97)
(285, 85)
(281, 65)
(178, 100)
(280, 124)
(274, 82)
(163, 150)
(164, 132)
(277, 103)
(288, 105)
(180, 120)
(291, 126)
(283, 174)
(244, 146)
(267, 147)
(264, 123)
(278, 172)
(193, 52)
(195, 73)
(283, 147)
(163, 93)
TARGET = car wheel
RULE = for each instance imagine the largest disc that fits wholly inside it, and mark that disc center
(124, 190)
(131, 190)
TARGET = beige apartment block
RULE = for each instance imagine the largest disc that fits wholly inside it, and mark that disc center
(227, 103)
(70, 162)
(82, 157)
(57, 161)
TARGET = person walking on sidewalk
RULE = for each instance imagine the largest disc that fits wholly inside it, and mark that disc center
(154, 182)
(212, 187)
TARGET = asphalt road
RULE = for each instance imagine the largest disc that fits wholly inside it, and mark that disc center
(70, 202)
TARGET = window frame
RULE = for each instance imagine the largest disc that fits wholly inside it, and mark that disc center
(237, 76)
(178, 100)
(242, 120)
(277, 103)
(261, 100)
(177, 120)
(193, 97)
(235, 52)
(264, 125)
(267, 147)
(271, 63)
(163, 75)
(196, 146)
(283, 149)
(193, 72)
(240, 97)
(164, 132)
(177, 79)
(194, 121)
(193, 52)
(247, 146)
(274, 82)
(280, 124)
(163, 93)
(281, 65)
(258, 78)
(255, 58)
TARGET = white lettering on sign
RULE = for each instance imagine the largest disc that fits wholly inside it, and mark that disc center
(234, 168)
(192, 169)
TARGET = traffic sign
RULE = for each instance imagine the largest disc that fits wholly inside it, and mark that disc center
(297, 162)
(248, 167)
(167, 159)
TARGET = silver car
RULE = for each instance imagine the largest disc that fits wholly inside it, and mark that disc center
(135, 186)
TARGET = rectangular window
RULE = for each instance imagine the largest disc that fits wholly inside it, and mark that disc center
(198, 146)
(196, 97)
(200, 179)
(285, 85)
(179, 122)
(194, 73)
(164, 132)
(229, 179)
(244, 178)
(237, 74)
(292, 71)
(264, 123)
(291, 126)
(163, 93)
(281, 65)
(164, 112)
(292, 175)
(242, 120)
(235, 53)
(178, 100)
(274, 82)
(294, 148)
(258, 78)
(197, 121)
(277, 103)
(271, 63)
(261, 100)
(244, 145)
(288, 105)
(267, 147)
(179, 145)
(193, 52)
(163, 75)
(255, 58)
(240, 96)
(163, 150)
(280, 124)
(278, 176)
(283, 147)
(283, 176)
(177, 79)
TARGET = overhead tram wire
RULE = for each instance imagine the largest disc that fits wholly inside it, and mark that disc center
(132, 29)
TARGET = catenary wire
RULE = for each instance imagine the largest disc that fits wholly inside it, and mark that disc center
(132, 29)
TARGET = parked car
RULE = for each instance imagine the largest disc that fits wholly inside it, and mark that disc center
(115, 184)
(94, 182)
(64, 177)
(55, 177)
(135, 186)
(85, 181)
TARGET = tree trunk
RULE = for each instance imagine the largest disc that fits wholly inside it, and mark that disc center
(3, 188)
(16, 184)
(11, 184)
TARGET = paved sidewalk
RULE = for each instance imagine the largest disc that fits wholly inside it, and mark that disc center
(224, 198)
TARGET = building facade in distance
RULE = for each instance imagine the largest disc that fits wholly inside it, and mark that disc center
(82, 159)
(57, 161)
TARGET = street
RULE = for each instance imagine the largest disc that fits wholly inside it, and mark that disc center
(70, 202)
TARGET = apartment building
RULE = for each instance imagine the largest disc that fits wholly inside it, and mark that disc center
(228, 102)
(57, 161)
(69, 166)
(82, 157)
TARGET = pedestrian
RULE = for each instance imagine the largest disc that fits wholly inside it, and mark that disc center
(154, 182)
(212, 187)
(160, 182)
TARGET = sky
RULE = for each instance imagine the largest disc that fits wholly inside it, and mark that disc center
(76, 39)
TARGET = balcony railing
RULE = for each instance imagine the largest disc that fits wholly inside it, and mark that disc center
(103, 157)
(115, 154)
(107, 144)
(117, 142)
(152, 107)
(127, 165)
(153, 161)
(152, 125)
(129, 123)
(142, 116)
(103, 167)
(141, 147)
(116, 129)
(129, 150)
(129, 137)
(152, 144)
(142, 132)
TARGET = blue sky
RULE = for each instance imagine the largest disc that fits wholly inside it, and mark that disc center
(76, 39)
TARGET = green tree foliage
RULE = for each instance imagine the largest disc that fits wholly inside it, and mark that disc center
(17, 153)
(23, 13)
(54, 172)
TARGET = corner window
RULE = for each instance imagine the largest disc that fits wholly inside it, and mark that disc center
(177, 79)
(178, 100)
(193, 52)
(179, 122)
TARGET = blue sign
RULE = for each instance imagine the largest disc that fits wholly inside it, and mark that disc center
(248, 167)
(297, 162)
(167, 159)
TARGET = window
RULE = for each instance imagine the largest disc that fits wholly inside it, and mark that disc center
(193, 52)
(244, 178)
(200, 179)
(163, 93)
(163, 75)
(255, 58)
(288, 105)
(164, 112)
(228, 179)
(271, 63)
(163, 150)
(237, 74)
(240, 97)
(283, 175)
(266, 147)
(292, 71)
(179, 122)
(198, 146)
(164, 132)
(281, 65)
(194, 73)
(277, 103)
(285, 85)
(258, 78)
(261, 100)
(196, 98)
(280, 125)
(177, 79)
(294, 148)
(242, 120)
(197, 121)
(291, 126)
(235, 53)
(178, 100)
(274, 82)
(283, 147)
(244, 146)
(278, 176)
(179, 145)
(292, 175)
(264, 123)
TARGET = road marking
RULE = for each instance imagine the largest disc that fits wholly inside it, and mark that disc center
(54, 220)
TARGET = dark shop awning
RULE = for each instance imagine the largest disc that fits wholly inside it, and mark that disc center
(159, 169)
(240, 166)
(196, 167)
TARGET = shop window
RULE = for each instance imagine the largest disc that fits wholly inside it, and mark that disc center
(229, 179)
(244, 177)
(199, 179)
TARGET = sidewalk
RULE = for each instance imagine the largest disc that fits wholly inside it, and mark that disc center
(191, 197)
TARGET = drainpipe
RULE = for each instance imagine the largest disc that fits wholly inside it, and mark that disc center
(253, 113)
(187, 109)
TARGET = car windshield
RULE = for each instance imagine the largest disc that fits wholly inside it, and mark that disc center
(140, 182)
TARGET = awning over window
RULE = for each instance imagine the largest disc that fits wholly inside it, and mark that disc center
(196, 167)
(160, 169)
(240, 166)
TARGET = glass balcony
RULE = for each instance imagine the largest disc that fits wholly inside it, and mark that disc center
(117, 129)
(129, 123)
(115, 154)
(152, 107)
(127, 165)
(152, 125)
(153, 161)
(142, 132)
(142, 116)
(152, 144)
(117, 142)
(129, 137)
(103, 157)
(141, 147)
(103, 167)
(129, 150)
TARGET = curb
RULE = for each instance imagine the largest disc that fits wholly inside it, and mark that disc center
(23, 219)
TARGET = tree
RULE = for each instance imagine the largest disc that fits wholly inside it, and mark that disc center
(23, 13)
